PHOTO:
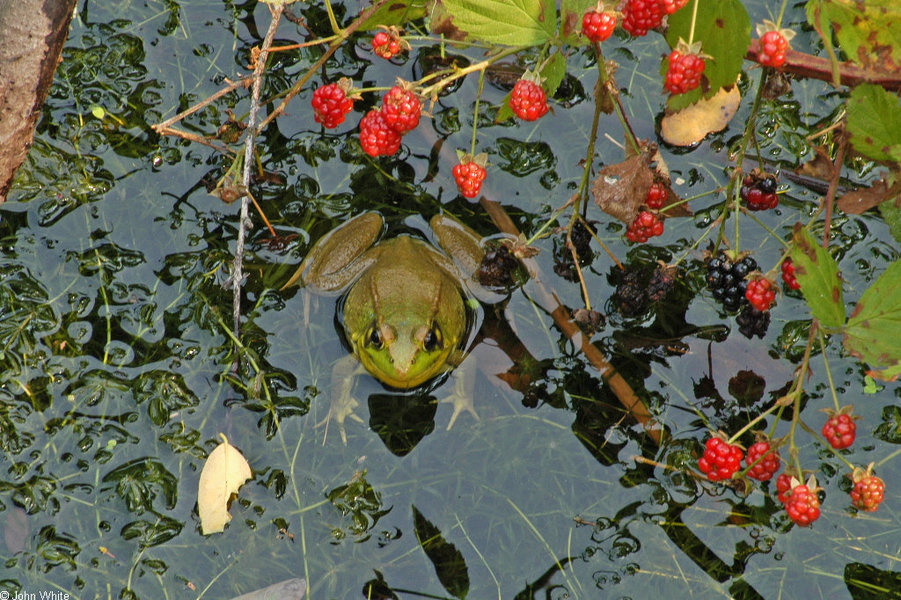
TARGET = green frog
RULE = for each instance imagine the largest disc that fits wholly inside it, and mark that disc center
(404, 311)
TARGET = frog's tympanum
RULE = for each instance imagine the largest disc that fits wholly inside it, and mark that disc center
(404, 311)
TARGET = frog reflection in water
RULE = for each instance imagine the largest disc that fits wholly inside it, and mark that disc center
(404, 312)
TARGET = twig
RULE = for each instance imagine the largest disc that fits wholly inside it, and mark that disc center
(829, 200)
(232, 85)
(238, 265)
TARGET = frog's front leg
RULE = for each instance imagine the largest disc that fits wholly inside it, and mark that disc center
(462, 395)
(343, 403)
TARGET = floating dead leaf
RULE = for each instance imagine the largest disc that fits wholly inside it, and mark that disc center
(692, 124)
(224, 471)
(819, 167)
(620, 190)
(861, 200)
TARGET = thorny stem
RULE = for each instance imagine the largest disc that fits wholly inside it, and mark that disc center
(479, 66)
(796, 393)
(592, 137)
(829, 200)
(475, 113)
(828, 370)
(694, 18)
(244, 220)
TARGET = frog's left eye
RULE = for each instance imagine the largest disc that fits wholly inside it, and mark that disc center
(374, 337)
(433, 339)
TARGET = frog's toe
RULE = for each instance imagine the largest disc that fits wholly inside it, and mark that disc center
(461, 403)
(340, 409)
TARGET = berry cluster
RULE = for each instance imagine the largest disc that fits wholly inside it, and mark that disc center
(598, 24)
(331, 103)
(387, 44)
(760, 293)
(381, 130)
(656, 196)
(868, 491)
(469, 175)
(528, 100)
(839, 429)
(645, 226)
(726, 279)
(640, 16)
(721, 459)
(773, 44)
(788, 275)
(685, 66)
(753, 322)
(763, 461)
(758, 191)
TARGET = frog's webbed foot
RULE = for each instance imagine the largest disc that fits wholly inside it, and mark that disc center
(462, 396)
(343, 403)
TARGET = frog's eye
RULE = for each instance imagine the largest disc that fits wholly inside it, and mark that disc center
(433, 339)
(374, 336)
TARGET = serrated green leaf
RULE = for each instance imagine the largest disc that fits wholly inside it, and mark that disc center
(571, 12)
(553, 73)
(450, 566)
(868, 32)
(818, 276)
(874, 122)
(724, 29)
(505, 22)
(891, 214)
(873, 331)
(396, 12)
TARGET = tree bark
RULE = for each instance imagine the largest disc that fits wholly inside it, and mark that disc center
(32, 34)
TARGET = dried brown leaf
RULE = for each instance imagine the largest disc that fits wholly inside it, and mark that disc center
(861, 200)
(692, 124)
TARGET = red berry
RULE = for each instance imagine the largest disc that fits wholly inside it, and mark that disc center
(385, 45)
(597, 26)
(868, 492)
(760, 293)
(469, 177)
(330, 105)
(683, 73)
(376, 136)
(656, 196)
(802, 505)
(527, 100)
(772, 49)
(401, 109)
(788, 275)
(641, 15)
(645, 226)
(759, 191)
(839, 430)
(783, 487)
(721, 459)
(767, 466)
(671, 6)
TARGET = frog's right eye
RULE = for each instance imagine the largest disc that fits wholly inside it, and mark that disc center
(374, 336)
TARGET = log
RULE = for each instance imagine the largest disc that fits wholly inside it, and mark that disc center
(33, 34)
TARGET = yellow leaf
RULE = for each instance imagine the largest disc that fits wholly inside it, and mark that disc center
(224, 472)
(692, 124)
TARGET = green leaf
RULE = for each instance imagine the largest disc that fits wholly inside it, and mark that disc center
(506, 22)
(818, 276)
(891, 214)
(571, 12)
(874, 329)
(724, 29)
(874, 122)
(396, 12)
(868, 32)
(553, 73)
(449, 563)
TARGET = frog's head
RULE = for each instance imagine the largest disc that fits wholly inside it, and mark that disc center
(404, 356)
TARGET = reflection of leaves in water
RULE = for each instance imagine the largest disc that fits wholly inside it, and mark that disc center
(866, 582)
(890, 428)
(139, 481)
(450, 567)
(362, 504)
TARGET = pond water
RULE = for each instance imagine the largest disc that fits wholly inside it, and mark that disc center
(119, 371)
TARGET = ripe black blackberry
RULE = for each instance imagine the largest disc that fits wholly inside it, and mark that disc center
(497, 268)
(563, 258)
(726, 280)
(631, 295)
(753, 322)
